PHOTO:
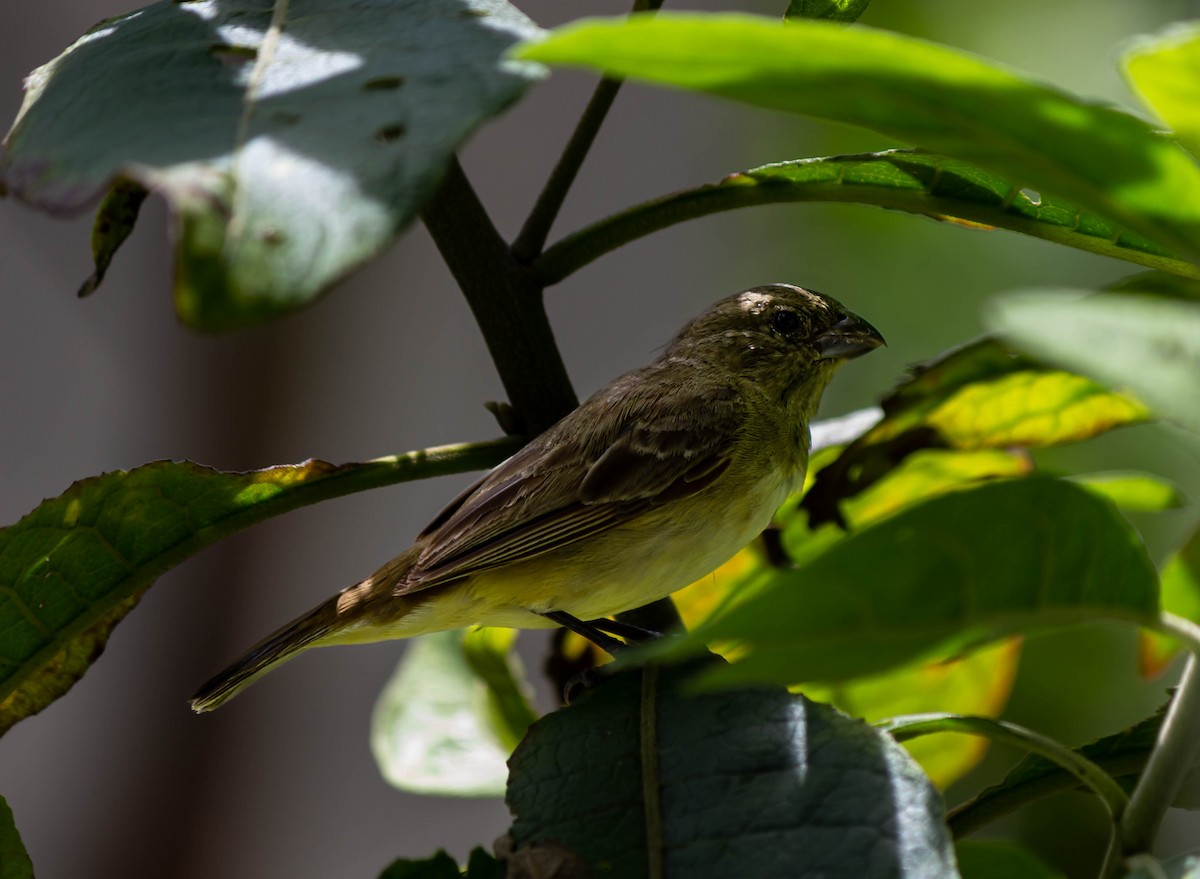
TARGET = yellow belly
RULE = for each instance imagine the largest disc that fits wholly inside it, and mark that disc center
(656, 554)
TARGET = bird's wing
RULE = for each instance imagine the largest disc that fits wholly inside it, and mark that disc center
(615, 457)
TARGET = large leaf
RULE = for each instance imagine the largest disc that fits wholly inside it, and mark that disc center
(939, 578)
(901, 180)
(979, 397)
(72, 569)
(945, 100)
(638, 779)
(292, 140)
(450, 715)
(1144, 344)
(1165, 71)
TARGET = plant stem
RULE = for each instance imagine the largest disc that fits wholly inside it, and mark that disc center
(1176, 750)
(532, 237)
(903, 728)
(506, 301)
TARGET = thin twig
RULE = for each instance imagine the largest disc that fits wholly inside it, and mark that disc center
(532, 238)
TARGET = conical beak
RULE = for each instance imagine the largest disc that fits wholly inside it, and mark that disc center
(850, 337)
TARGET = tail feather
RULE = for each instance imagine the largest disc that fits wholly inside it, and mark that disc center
(273, 651)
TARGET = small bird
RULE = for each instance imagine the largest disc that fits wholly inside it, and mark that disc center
(653, 482)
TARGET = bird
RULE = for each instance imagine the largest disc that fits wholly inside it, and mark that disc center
(653, 482)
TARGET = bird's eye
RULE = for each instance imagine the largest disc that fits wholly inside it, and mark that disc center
(785, 321)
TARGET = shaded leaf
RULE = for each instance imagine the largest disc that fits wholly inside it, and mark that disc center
(71, 569)
(14, 860)
(1170, 286)
(637, 773)
(490, 655)
(1165, 71)
(994, 859)
(914, 182)
(961, 570)
(929, 95)
(978, 397)
(1147, 345)
(430, 731)
(1122, 755)
(977, 684)
(830, 10)
(482, 865)
(440, 866)
(292, 141)
(114, 222)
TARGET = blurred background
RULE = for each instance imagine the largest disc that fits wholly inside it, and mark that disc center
(120, 778)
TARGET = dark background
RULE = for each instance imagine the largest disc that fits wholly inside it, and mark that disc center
(120, 778)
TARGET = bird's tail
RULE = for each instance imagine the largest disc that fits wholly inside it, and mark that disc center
(272, 651)
(367, 611)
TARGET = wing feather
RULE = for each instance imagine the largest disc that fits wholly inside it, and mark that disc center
(589, 473)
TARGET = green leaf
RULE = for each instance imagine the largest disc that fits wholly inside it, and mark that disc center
(1147, 345)
(440, 866)
(482, 865)
(979, 397)
(14, 860)
(1181, 596)
(953, 573)
(919, 183)
(489, 653)
(437, 727)
(114, 222)
(844, 11)
(640, 779)
(1165, 71)
(976, 684)
(293, 140)
(1129, 490)
(72, 569)
(932, 96)
(994, 859)
(1122, 755)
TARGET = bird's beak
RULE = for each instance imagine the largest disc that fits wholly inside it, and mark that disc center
(850, 337)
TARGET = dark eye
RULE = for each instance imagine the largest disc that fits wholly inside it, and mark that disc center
(785, 321)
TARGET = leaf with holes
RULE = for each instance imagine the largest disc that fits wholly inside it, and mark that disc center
(639, 778)
(293, 139)
(72, 569)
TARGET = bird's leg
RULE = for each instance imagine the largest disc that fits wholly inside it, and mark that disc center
(589, 631)
(631, 633)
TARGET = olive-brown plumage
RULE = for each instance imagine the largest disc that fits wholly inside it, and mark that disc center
(651, 483)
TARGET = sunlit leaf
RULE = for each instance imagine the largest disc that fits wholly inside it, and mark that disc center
(1165, 71)
(450, 716)
(1138, 492)
(681, 785)
(1180, 596)
(977, 684)
(947, 575)
(1147, 345)
(1184, 866)
(979, 397)
(72, 568)
(911, 181)
(932, 96)
(293, 141)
